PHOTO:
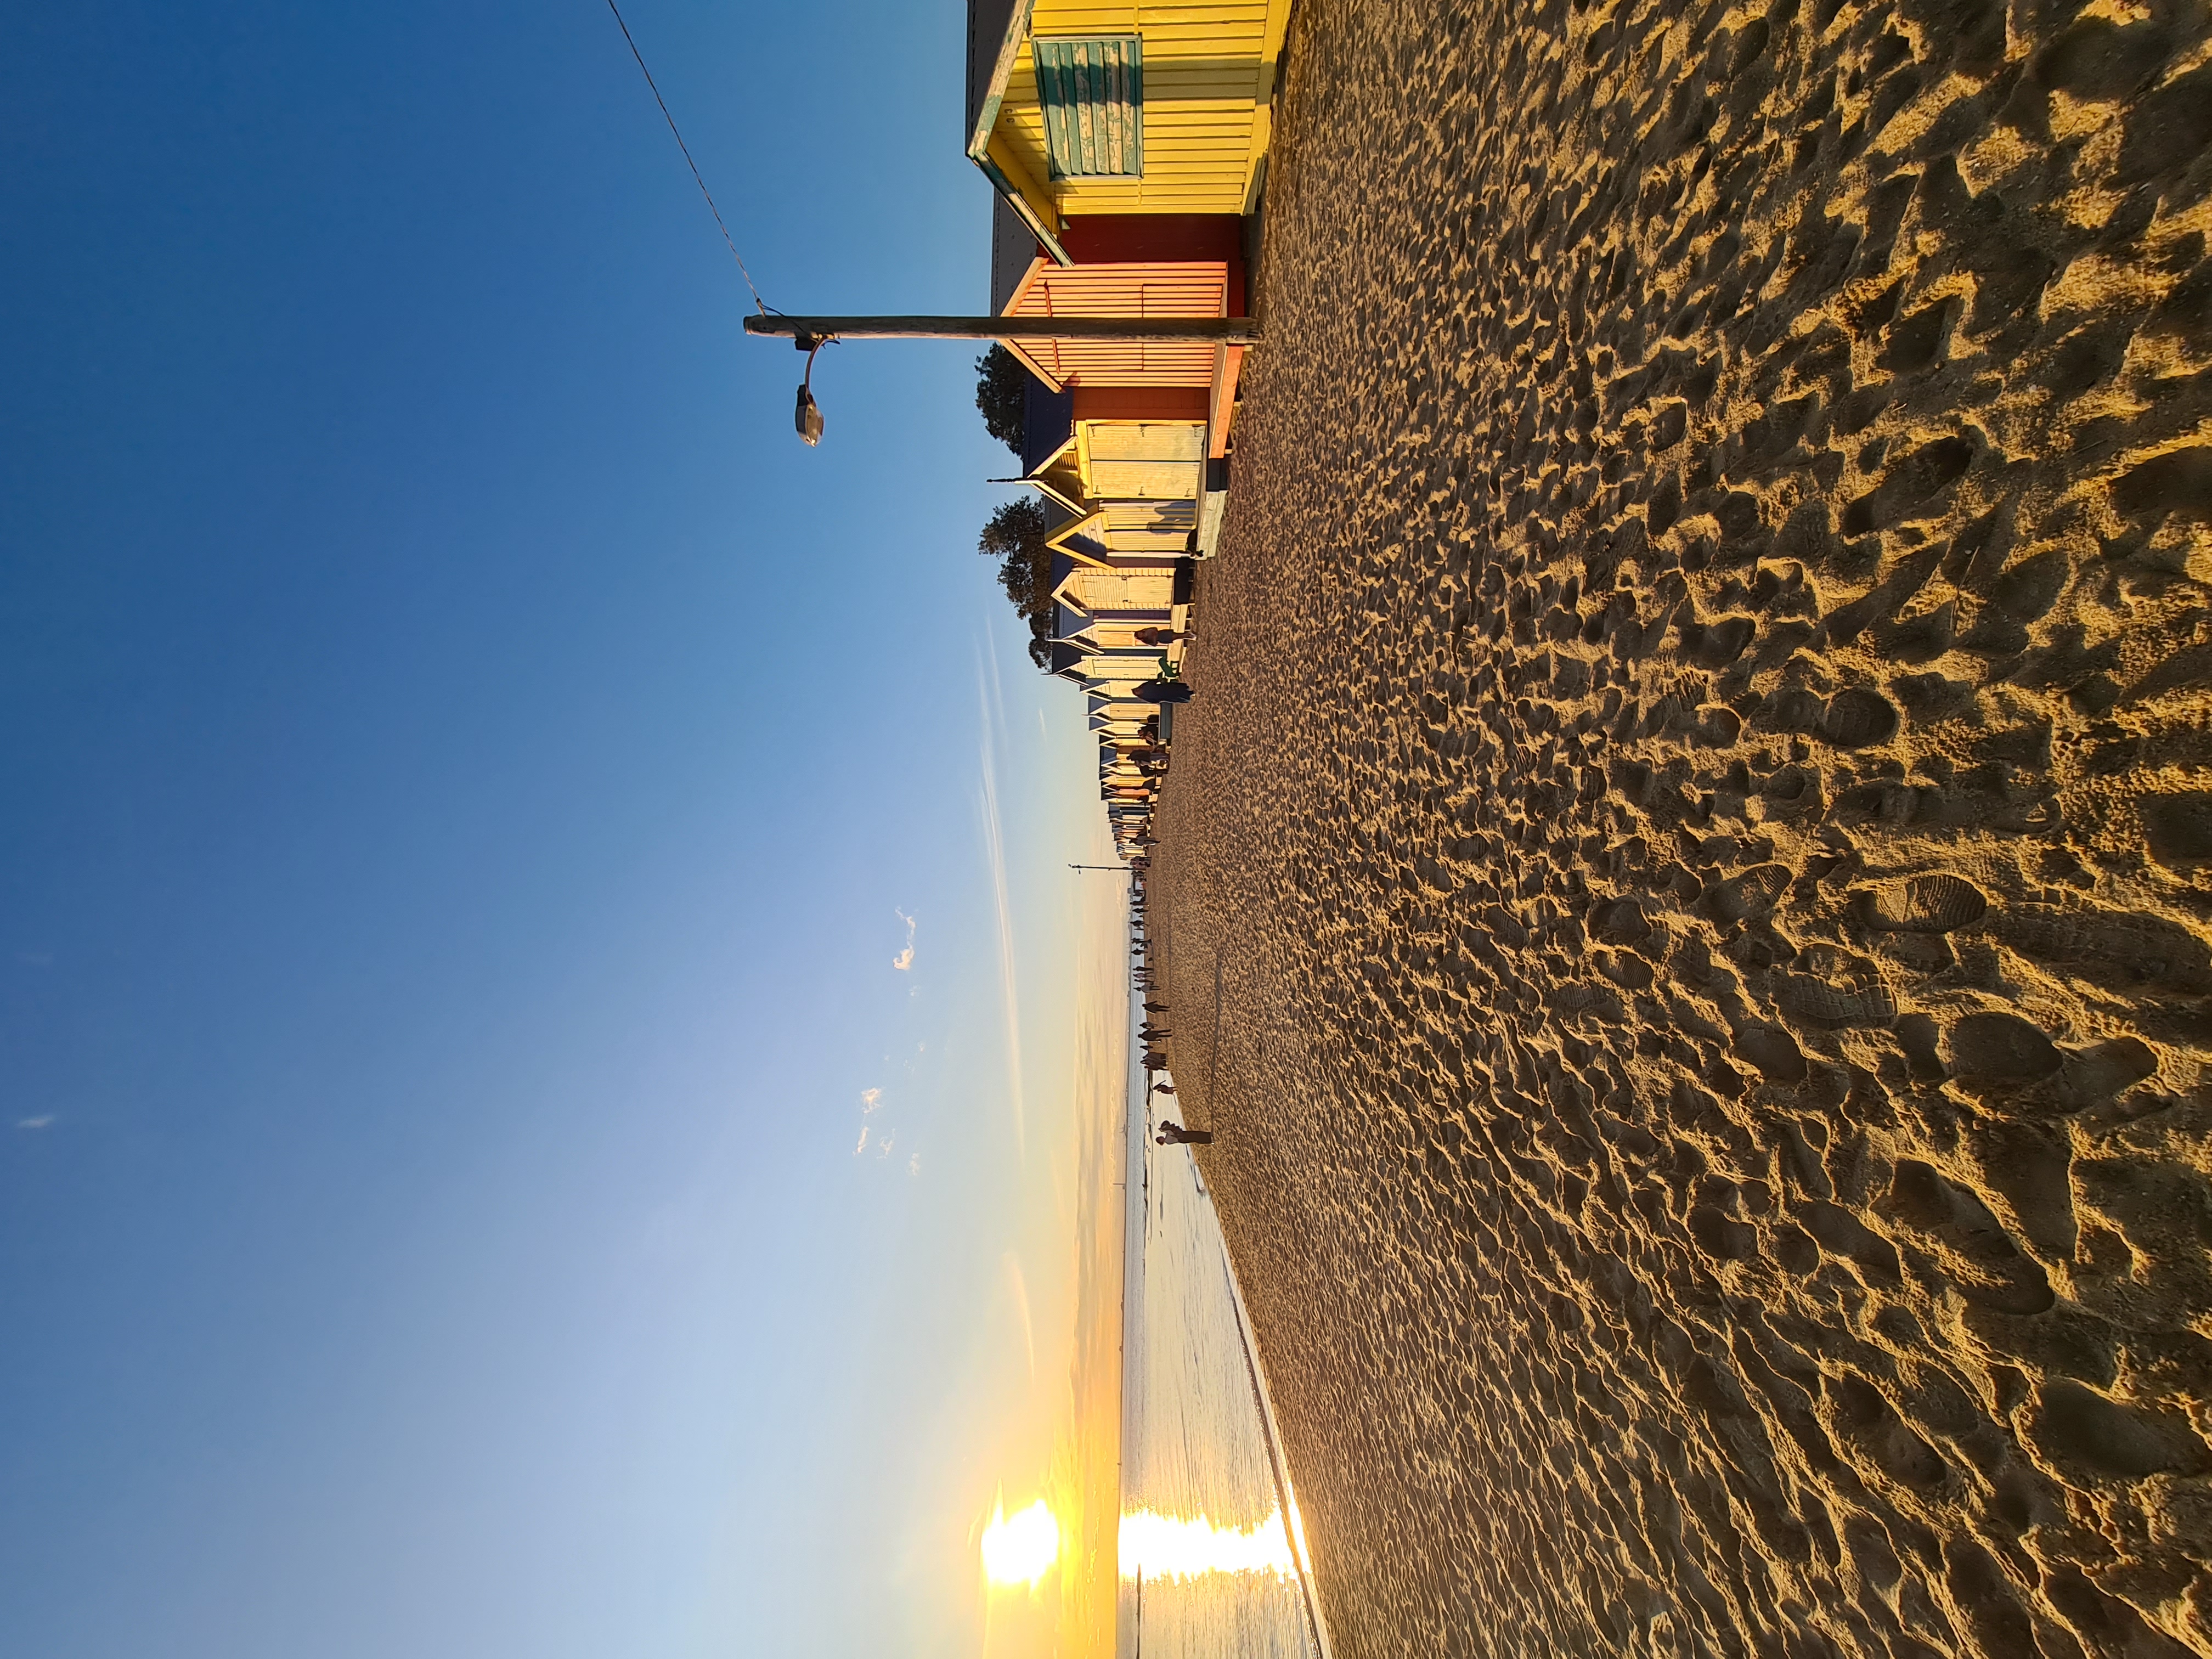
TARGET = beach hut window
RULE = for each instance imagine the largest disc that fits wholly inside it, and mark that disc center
(1091, 89)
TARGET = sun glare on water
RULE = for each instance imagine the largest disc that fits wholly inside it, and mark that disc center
(1020, 1548)
(1186, 1546)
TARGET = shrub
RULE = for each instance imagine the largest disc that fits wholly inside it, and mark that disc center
(1015, 536)
(1001, 383)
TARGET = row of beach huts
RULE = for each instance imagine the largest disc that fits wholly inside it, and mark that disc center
(1128, 146)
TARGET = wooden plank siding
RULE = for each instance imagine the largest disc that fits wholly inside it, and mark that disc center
(1148, 527)
(1197, 288)
(1117, 402)
(1221, 403)
(1142, 461)
(1130, 535)
(1120, 633)
(1210, 68)
(1092, 591)
(1136, 519)
(1094, 87)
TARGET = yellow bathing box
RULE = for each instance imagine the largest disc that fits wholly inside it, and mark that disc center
(1151, 106)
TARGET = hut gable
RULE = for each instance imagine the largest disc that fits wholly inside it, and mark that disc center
(1183, 288)
(1144, 593)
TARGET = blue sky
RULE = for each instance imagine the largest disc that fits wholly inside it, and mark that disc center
(464, 760)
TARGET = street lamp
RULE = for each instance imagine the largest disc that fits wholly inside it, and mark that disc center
(811, 334)
(808, 416)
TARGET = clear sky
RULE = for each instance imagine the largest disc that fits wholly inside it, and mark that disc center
(467, 771)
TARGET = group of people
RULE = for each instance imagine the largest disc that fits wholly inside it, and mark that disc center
(1132, 829)
(1170, 1134)
(1150, 756)
(1167, 686)
(1156, 1059)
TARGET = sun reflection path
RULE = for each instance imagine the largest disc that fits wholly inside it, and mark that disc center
(1022, 1547)
(1186, 1546)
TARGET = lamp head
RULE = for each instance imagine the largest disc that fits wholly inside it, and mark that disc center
(808, 416)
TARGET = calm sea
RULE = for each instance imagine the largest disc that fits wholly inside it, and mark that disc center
(1207, 1569)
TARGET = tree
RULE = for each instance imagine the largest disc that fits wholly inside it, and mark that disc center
(1000, 385)
(1015, 536)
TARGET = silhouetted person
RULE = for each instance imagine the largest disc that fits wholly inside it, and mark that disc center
(1162, 691)
(1174, 1134)
(1164, 1088)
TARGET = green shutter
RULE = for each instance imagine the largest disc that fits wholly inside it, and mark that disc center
(1092, 92)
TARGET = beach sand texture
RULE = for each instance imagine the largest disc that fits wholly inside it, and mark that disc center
(1699, 810)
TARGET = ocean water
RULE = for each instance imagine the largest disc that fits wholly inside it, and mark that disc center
(1207, 1564)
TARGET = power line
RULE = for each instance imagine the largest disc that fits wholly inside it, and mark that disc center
(686, 149)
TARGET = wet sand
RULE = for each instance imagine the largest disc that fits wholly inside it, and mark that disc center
(1698, 809)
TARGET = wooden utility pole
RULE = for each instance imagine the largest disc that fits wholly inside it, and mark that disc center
(806, 331)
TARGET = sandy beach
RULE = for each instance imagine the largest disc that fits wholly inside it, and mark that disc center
(1698, 817)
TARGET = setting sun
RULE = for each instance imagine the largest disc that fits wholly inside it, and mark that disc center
(1020, 1548)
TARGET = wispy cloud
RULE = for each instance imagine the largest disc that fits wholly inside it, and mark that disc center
(884, 1150)
(913, 1164)
(862, 1144)
(870, 1099)
(35, 1122)
(904, 959)
(995, 852)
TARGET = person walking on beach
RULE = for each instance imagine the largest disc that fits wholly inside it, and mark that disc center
(1174, 1134)
(1160, 635)
(1162, 691)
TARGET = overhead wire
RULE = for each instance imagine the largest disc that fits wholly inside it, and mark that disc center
(686, 149)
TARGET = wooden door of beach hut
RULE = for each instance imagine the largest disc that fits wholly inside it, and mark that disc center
(1095, 591)
(1153, 525)
(1142, 461)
